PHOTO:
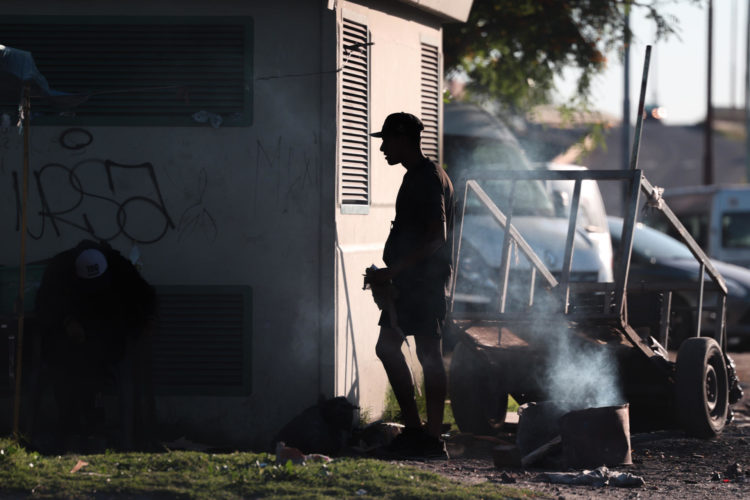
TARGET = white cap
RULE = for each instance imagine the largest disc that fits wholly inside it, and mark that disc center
(90, 263)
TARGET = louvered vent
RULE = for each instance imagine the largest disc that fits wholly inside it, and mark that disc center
(200, 63)
(430, 91)
(201, 342)
(355, 109)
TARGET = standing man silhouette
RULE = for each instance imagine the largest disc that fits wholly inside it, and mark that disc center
(418, 259)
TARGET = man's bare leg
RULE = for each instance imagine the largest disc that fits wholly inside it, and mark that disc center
(388, 349)
(435, 382)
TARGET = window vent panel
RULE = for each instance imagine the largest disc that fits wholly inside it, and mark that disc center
(189, 64)
(355, 115)
(201, 342)
(430, 92)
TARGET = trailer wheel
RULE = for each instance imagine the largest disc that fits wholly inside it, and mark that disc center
(478, 405)
(701, 387)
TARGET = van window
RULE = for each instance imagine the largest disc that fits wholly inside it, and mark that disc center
(697, 226)
(735, 230)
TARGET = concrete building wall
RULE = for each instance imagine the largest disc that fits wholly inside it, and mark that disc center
(253, 205)
(249, 205)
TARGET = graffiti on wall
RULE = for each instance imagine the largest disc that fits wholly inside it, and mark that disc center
(196, 216)
(68, 198)
(285, 177)
(104, 198)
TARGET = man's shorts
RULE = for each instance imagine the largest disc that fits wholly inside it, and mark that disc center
(420, 309)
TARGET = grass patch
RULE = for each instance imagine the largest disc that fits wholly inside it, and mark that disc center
(184, 474)
(512, 404)
(392, 411)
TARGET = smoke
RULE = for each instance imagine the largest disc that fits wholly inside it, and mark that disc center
(578, 372)
(581, 374)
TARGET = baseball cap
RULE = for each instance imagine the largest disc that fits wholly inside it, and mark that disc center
(90, 263)
(400, 124)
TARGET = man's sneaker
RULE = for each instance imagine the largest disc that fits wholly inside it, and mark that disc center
(415, 443)
(433, 447)
(407, 443)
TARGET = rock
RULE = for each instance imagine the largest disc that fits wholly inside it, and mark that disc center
(733, 471)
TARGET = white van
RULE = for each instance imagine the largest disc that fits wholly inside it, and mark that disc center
(718, 218)
(592, 217)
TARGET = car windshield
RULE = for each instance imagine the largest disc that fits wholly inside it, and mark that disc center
(484, 157)
(652, 244)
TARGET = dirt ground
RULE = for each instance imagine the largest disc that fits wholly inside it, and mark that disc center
(671, 464)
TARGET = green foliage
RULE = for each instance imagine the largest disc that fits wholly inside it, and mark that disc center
(512, 404)
(392, 411)
(512, 49)
(183, 474)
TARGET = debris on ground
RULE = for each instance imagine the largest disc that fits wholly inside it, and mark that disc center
(325, 427)
(378, 434)
(285, 454)
(601, 476)
(734, 471)
(78, 466)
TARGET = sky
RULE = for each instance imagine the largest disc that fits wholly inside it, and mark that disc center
(677, 76)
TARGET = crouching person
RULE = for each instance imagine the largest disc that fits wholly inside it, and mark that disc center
(94, 312)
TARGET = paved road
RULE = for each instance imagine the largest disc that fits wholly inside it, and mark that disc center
(670, 156)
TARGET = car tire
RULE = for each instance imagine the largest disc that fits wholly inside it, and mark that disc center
(701, 387)
(479, 405)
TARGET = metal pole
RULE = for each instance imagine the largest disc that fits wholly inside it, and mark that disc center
(626, 101)
(733, 57)
(708, 153)
(25, 110)
(641, 105)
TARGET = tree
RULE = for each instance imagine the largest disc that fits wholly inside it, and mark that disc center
(511, 50)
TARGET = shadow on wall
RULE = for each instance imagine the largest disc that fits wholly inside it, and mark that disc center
(351, 367)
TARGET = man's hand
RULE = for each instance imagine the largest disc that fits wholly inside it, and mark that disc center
(377, 277)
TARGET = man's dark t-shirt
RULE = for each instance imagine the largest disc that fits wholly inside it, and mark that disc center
(425, 196)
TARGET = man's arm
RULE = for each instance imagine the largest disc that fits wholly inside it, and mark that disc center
(435, 236)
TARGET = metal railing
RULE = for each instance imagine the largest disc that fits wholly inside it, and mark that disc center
(612, 294)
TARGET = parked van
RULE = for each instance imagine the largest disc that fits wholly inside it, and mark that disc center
(718, 218)
(592, 216)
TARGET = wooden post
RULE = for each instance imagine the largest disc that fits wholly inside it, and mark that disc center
(25, 109)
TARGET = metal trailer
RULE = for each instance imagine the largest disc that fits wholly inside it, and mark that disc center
(505, 349)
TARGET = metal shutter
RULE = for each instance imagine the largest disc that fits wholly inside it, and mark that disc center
(205, 63)
(430, 92)
(355, 119)
(202, 339)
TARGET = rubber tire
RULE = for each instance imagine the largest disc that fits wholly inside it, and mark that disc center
(701, 387)
(479, 406)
